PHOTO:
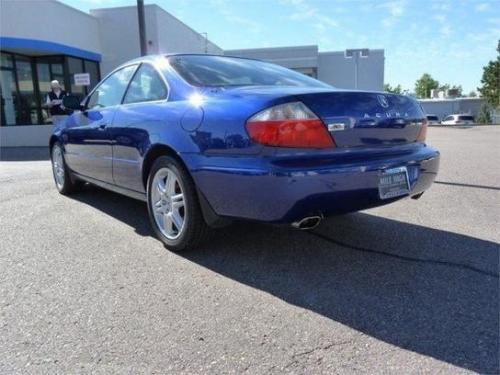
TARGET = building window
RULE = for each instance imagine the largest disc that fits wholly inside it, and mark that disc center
(92, 68)
(6, 61)
(25, 83)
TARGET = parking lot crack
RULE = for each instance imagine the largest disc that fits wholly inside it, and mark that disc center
(322, 347)
(308, 352)
(467, 185)
(407, 258)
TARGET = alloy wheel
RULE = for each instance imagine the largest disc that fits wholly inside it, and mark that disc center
(167, 203)
(58, 166)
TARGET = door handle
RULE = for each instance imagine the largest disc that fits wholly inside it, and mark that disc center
(102, 126)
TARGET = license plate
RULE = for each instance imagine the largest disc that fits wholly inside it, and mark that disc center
(393, 183)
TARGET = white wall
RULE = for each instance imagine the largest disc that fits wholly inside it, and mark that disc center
(337, 70)
(289, 57)
(119, 32)
(175, 36)
(25, 136)
(29, 19)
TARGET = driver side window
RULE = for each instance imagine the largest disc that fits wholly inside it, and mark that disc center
(110, 91)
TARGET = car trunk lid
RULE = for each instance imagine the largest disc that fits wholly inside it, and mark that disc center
(357, 119)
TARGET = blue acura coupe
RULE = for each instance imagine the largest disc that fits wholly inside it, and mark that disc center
(204, 139)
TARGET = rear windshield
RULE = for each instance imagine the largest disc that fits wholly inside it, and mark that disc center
(466, 118)
(432, 118)
(221, 71)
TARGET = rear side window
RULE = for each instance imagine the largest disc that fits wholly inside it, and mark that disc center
(146, 86)
(466, 118)
(110, 91)
(432, 118)
(449, 118)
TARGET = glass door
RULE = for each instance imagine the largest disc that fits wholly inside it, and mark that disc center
(27, 111)
(43, 72)
(48, 69)
(75, 66)
(7, 93)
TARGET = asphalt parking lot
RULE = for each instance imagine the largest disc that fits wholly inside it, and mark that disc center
(408, 288)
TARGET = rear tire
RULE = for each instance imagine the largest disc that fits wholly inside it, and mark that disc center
(64, 180)
(173, 206)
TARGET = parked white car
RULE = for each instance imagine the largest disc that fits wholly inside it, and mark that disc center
(432, 120)
(458, 120)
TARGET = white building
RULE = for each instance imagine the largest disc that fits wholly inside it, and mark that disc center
(361, 69)
(43, 40)
(119, 35)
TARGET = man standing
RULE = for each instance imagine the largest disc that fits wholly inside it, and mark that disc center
(54, 102)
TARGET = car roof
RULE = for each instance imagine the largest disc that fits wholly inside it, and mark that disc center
(212, 55)
(153, 58)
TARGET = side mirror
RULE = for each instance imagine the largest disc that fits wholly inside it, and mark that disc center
(72, 102)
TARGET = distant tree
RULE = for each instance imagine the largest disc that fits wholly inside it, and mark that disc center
(424, 85)
(490, 88)
(483, 116)
(473, 94)
(444, 87)
(395, 90)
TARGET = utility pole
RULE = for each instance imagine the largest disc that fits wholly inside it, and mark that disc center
(356, 69)
(142, 27)
(356, 54)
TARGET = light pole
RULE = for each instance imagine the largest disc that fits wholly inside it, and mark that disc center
(356, 54)
(205, 35)
(142, 27)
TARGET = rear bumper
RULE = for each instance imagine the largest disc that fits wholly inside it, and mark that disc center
(283, 190)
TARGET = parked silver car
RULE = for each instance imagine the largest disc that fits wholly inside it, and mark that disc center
(458, 120)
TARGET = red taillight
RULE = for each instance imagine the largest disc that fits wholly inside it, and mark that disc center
(290, 133)
(289, 125)
(422, 135)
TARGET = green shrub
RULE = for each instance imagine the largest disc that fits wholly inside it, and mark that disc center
(484, 117)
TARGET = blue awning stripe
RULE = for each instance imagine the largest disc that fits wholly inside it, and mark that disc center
(46, 46)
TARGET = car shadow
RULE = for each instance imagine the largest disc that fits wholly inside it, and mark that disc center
(426, 290)
(130, 211)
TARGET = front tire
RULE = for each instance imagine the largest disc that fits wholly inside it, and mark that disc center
(65, 182)
(173, 206)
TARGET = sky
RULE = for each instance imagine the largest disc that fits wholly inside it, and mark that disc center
(450, 39)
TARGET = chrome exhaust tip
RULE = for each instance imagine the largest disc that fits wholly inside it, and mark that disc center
(307, 223)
